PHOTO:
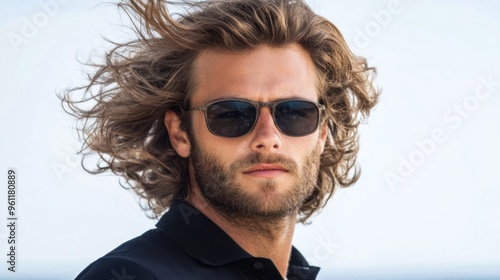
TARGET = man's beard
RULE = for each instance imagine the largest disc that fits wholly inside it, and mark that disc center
(221, 190)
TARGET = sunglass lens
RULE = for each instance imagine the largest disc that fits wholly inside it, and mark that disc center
(297, 118)
(231, 118)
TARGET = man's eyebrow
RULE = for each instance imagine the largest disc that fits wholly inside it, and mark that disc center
(250, 100)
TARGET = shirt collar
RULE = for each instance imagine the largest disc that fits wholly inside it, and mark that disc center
(198, 236)
(204, 241)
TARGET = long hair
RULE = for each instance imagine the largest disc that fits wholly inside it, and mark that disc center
(138, 81)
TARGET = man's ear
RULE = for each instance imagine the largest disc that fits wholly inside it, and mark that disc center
(178, 137)
(323, 133)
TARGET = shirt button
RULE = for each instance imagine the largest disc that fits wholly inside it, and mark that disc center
(258, 266)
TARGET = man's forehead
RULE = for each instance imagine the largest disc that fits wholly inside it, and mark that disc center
(285, 70)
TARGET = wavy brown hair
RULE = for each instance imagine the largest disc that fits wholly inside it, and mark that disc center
(121, 109)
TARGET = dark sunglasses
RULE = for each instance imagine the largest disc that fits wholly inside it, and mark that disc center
(236, 117)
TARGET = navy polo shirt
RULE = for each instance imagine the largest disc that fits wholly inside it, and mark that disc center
(187, 245)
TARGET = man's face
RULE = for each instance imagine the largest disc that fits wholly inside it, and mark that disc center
(263, 173)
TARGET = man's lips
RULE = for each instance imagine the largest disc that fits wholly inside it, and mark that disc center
(266, 170)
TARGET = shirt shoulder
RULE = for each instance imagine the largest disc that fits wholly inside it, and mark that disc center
(108, 268)
(151, 256)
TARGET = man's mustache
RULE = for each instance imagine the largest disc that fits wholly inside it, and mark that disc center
(259, 158)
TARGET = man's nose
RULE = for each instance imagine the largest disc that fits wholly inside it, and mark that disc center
(265, 136)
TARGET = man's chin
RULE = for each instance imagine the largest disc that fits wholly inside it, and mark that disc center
(265, 186)
(269, 204)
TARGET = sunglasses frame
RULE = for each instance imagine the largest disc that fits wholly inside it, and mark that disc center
(257, 106)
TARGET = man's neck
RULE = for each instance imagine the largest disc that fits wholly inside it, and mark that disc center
(270, 239)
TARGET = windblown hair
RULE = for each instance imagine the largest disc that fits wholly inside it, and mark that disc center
(138, 81)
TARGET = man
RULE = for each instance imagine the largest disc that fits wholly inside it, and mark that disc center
(234, 121)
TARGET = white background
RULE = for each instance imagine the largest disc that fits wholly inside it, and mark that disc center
(428, 201)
